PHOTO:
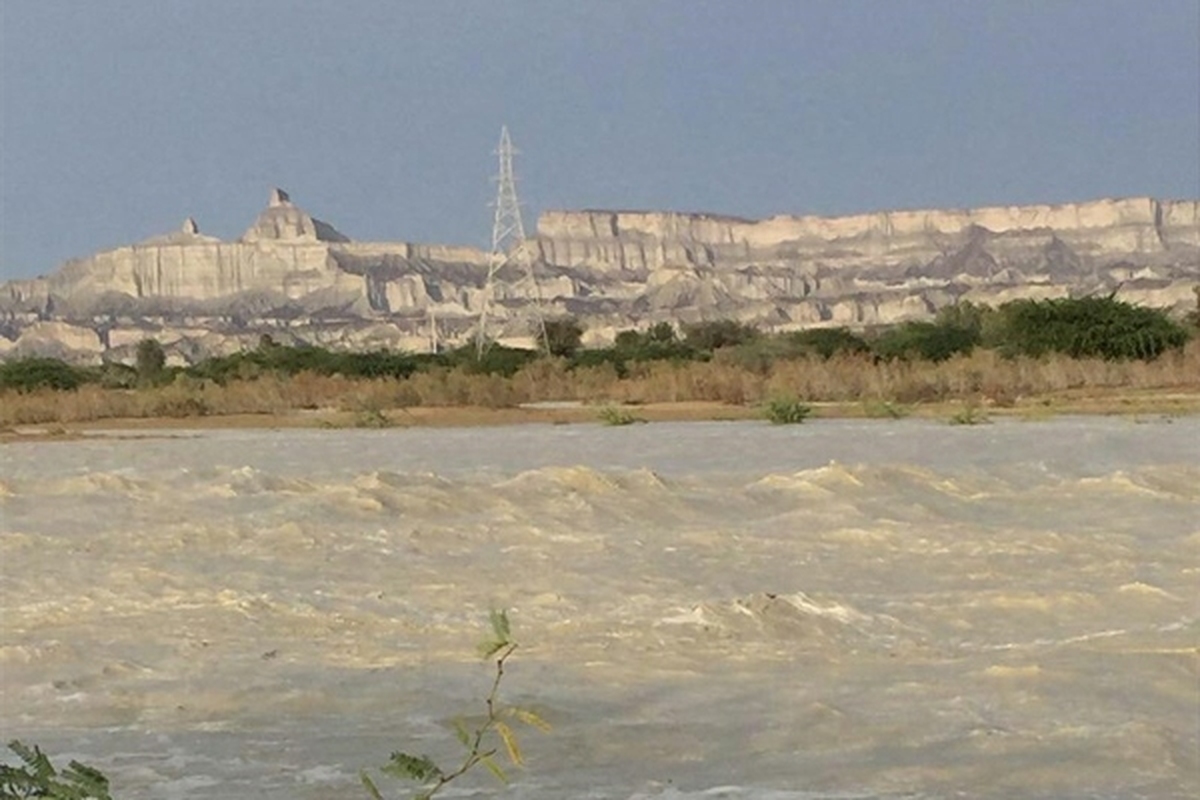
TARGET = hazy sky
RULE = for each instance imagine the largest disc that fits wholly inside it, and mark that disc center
(120, 119)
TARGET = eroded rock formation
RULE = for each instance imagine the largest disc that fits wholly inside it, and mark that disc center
(299, 279)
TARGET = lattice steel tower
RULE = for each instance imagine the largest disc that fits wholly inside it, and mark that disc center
(508, 241)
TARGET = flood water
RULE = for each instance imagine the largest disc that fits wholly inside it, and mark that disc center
(841, 609)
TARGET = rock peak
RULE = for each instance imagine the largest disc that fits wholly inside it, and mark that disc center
(283, 220)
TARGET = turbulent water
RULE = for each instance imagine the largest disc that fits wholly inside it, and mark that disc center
(726, 610)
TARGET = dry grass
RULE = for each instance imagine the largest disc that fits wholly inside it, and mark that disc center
(983, 378)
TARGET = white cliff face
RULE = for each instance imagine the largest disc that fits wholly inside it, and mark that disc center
(654, 239)
(1143, 217)
(291, 273)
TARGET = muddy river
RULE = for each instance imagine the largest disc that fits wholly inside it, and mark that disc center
(840, 609)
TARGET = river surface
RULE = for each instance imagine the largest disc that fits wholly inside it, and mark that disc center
(840, 609)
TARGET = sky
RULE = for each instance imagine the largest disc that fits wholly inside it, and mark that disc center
(119, 119)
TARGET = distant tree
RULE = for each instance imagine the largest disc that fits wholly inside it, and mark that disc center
(660, 342)
(717, 334)
(929, 341)
(564, 335)
(628, 340)
(828, 342)
(150, 361)
(965, 314)
(663, 333)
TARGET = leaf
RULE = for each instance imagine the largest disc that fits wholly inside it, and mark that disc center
(372, 789)
(500, 626)
(510, 743)
(494, 768)
(531, 719)
(418, 768)
(34, 758)
(90, 781)
(38, 778)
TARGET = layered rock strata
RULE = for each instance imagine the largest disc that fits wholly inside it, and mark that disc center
(300, 279)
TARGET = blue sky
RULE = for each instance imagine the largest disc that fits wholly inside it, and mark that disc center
(120, 119)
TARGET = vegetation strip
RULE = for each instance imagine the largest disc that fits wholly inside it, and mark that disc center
(971, 354)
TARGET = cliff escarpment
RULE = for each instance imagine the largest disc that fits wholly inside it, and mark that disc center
(300, 279)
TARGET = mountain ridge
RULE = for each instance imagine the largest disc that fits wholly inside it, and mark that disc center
(301, 280)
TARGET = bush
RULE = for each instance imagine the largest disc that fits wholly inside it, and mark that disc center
(969, 414)
(270, 357)
(965, 314)
(114, 375)
(659, 343)
(494, 360)
(1086, 327)
(828, 342)
(28, 374)
(929, 341)
(710, 336)
(151, 362)
(564, 335)
(611, 415)
(786, 411)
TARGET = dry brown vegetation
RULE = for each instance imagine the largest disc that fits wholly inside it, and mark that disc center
(983, 377)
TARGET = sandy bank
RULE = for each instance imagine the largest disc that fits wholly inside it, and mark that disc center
(1126, 402)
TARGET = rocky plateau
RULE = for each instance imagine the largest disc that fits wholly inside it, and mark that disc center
(300, 280)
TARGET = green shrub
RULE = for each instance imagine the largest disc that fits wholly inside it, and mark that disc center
(1086, 327)
(372, 418)
(114, 375)
(659, 343)
(786, 411)
(564, 335)
(270, 357)
(151, 362)
(969, 414)
(964, 314)
(27, 374)
(611, 415)
(929, 341)
(710, 336)
(827, 342)
(885, 409)
(495, 359)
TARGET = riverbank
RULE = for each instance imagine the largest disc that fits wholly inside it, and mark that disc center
(1133, 403)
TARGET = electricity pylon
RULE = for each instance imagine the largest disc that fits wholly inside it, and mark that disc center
(508, 242)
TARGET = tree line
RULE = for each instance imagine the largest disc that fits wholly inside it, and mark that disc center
(1085, 327)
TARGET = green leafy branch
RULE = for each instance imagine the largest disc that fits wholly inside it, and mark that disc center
(480, 744)
(39, 778)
